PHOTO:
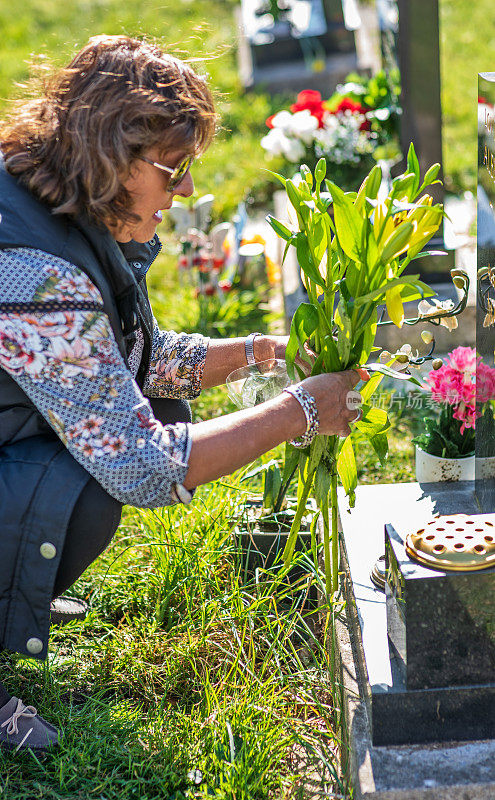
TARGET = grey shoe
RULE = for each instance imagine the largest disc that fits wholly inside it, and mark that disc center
(21, 727)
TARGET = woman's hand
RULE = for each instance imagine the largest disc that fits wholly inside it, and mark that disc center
(221, 445)
(266, 347)
(336, 401)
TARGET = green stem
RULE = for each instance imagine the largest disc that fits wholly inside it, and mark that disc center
(296, 522)
(326, 548)
(335, 532)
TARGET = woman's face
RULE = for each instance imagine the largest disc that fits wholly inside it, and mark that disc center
(148, 186)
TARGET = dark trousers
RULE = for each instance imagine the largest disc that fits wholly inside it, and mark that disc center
(96, 515)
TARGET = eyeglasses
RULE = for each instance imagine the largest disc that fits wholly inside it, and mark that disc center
(177, 174)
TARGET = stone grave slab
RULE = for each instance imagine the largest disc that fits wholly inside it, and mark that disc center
(405, 743)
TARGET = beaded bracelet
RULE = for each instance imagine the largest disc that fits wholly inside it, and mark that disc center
(308, 405)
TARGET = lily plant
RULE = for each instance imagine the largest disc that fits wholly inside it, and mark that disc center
(351, 264)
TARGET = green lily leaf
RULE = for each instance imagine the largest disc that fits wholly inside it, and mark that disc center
(395, 306)
(306, 261)
(278, 177)
(373, 421)
(304, 323)
(425, 253)
(321, 485)
(330, 355)
(379, 444)
(346, 467)
(348, 222)
(279, 228)
(376, 293)
(418, 291)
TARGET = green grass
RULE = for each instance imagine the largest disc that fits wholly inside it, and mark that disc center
(180, 666)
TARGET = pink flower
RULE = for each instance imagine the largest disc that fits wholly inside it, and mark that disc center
(90, 426)
(57, 323)
(455, 383)
(485, 382)
(113, 445)
(75, 357)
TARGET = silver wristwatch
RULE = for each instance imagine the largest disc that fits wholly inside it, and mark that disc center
(249, 348)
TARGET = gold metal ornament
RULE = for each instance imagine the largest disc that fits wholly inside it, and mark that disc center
(455, 543)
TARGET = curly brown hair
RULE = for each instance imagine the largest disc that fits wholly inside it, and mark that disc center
(73, 144)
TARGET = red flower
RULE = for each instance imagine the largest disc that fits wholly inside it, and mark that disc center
(209, 290)
(346, 104)
(311, 101)
(225, 285)
(268, 121)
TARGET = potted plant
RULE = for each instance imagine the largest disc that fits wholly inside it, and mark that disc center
(445, 451)
(351, 265)
(264, 528)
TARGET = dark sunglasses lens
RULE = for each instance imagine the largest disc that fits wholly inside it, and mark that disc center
(179, 172)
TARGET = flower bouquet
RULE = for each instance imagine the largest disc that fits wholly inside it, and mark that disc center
(450, 434)
(352, 130)
(351, 264)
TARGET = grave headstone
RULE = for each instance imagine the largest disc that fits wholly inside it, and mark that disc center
(485, 318)
(409, 36)
(306, 46)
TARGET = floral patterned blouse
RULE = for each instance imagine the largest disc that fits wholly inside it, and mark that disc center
(70, 366)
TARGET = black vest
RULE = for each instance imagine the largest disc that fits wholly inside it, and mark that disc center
(40, 481)
(117, 270)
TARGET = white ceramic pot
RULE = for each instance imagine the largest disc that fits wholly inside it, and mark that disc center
(431, 469)
(485, 468)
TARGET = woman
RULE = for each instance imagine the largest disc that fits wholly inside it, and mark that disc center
(92, 408)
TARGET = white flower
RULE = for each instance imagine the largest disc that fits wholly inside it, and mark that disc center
(21, 348)
(282, 121)
(274, 142)
(304, 125)
(426, 310)
(294, 150)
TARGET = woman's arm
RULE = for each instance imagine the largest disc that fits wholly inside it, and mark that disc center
(226, 355)
(220, 446)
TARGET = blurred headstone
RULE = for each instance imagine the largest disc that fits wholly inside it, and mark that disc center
(305, 44)
(485, 310)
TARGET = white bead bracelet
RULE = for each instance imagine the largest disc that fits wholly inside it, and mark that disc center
(308, 405)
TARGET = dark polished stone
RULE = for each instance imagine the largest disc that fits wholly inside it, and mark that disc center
(440, 624)
(398, 714)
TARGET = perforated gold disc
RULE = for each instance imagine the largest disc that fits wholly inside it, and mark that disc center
(457, 542)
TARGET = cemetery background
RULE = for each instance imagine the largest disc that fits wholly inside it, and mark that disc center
(203, 673)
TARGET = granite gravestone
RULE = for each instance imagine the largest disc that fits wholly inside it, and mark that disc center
(485, 311)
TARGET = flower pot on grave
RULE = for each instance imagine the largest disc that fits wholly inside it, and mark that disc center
(262, 539)
(432, 469)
